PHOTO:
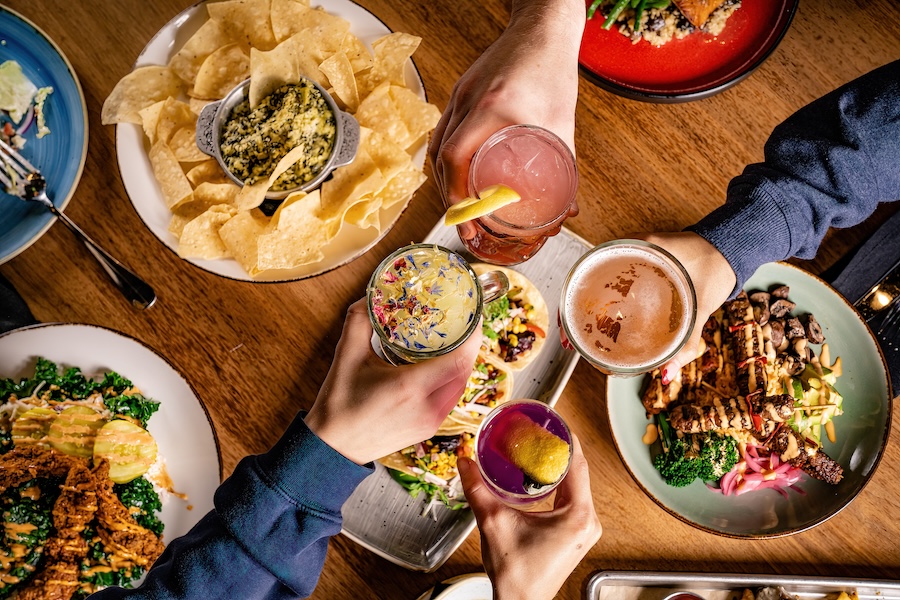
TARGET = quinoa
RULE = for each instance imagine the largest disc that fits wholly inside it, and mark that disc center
(661, 25)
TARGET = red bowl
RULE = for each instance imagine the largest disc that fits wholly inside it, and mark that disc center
(692, 68)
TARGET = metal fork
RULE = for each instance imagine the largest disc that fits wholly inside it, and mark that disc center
(22, 179)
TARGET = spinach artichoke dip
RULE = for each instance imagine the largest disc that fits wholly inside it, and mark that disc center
(255, 139)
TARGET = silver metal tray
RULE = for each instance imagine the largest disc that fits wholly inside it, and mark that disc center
(652, 585)
(380, 515)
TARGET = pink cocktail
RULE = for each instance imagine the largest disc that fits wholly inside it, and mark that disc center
(541, 168)
(523, 449)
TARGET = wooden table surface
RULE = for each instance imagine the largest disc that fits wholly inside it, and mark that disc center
(258, 353)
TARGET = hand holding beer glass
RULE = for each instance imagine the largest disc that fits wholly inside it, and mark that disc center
(628, 307)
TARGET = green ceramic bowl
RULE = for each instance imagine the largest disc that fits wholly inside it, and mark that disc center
(862, 431)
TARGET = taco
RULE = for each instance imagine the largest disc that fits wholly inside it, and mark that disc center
(490, 384)
(430, 467)
(515, 325)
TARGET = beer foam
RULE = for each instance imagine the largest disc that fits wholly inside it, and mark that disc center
(627, 307)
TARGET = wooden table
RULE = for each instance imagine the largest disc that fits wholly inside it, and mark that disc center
(258, 353)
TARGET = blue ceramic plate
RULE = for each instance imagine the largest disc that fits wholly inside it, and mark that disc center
(60, 156)
(862, 431)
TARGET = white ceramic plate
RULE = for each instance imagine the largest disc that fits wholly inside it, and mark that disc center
(380, 515)
(181, 426)
(474, 586)
(143, 189)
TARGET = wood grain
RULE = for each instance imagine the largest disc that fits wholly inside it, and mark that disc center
(258, 353)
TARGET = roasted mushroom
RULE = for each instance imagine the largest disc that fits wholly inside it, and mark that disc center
(793, 329)
(781, 307)
(782, 291)
(814, 330)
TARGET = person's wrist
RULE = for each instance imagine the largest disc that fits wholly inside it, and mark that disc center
(334, 437)
(557, 22)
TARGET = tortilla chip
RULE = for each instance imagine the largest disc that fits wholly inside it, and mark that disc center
(360, 214)
(340, 75)
(207, 171)
(184, 214)
(287, 63)
(212, 194)
(252, 196)
(175, 187)
(174, 115)
(245, 21)
(197, 105)
(347, 186)
(290, 18)
(379, 112)
(136, 91)
(150, 119)
(184, 146)
(240, 235)
(357, 53)
(419, 116)
(209, 38)
(200, 237)
(297, 237)
(389, 158)
(221, 72)
(391, 53)
(402, 186)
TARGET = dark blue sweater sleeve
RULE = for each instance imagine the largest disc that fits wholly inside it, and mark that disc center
(269, 531)
(828, 165)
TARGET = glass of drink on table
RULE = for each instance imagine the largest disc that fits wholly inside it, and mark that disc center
(540, 167)
(425, 300)
(627, 307)
(523, 450)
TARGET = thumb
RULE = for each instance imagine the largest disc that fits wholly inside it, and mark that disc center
(480, 499)
(687, 354)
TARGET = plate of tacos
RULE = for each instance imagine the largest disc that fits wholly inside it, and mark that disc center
(412, 510)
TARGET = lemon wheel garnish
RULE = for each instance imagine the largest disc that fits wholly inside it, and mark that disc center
(491, 198)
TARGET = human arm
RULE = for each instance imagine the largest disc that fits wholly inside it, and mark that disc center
(529, 555)
(529, 75)
(269, 531)
(828, 165)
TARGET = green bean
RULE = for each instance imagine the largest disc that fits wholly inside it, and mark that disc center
(638, 12)
(614, 13)
(594, 6)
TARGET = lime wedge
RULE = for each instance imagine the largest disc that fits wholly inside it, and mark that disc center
(491, 198)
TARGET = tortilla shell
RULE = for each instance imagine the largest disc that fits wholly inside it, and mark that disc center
(533, 296)
(468, 422)
(398, 462)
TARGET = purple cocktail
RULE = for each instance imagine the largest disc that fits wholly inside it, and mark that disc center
(523, 450)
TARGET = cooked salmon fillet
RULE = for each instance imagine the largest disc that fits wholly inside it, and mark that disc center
(698, 11)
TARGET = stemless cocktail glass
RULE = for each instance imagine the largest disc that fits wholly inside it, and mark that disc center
(628, 307)
(541, 168)
(497, 434)
(424, 301)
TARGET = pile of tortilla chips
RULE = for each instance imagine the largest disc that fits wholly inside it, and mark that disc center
(274, 42)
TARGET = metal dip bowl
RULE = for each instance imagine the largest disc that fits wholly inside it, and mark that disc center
(214, 115)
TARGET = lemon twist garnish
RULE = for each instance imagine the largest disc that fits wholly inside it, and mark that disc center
(542, 455)
(490, 199)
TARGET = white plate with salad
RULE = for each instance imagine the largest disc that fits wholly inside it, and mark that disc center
(57, 366)
(861, 424)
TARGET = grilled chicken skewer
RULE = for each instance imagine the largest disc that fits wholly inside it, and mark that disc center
(758, 414)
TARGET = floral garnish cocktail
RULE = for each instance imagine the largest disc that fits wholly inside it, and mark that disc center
(424, 300)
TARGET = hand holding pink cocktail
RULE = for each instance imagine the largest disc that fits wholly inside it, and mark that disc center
(541, 168)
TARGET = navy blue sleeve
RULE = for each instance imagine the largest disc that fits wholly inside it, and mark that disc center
(269, 531)
(828, 165)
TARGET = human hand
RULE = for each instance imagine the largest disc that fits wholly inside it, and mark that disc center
(529, 555)
(368, 408)
(529, 75)
(713, 280)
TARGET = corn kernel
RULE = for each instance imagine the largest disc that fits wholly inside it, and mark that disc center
(513, 341)
(529, 314)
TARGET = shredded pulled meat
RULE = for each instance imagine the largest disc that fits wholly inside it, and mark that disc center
(86, 498)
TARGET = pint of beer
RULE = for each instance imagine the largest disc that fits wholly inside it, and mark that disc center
(628, 307)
